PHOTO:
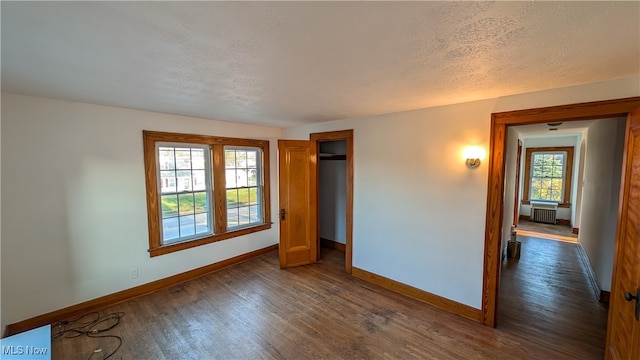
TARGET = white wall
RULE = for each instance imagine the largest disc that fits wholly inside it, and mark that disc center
(510, 185)
(74, 207)
(600, 197)
(419, 213)
(332, 193)
(550, 141)
(577, 209)
(72, 231)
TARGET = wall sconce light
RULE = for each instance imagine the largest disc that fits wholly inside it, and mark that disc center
(473, 156)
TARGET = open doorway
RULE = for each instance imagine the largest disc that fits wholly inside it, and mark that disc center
(549, 178)
(335, 192)
(555, 289)
(501, 122)
(299, 198)
(332, 194)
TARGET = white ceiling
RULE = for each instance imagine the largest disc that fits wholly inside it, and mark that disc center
(567, 128)
(287, 63)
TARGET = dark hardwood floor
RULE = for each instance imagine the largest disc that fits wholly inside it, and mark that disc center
(545, 297)
(255, 310)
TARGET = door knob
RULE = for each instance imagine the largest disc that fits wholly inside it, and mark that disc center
(282, 214)
(630, 297)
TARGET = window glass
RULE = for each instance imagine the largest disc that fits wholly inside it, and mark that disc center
(186, 206)
(547, 176)
(202, 189)
(243, 186)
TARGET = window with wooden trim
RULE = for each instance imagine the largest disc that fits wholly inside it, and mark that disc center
(202, 189)
(548, 174)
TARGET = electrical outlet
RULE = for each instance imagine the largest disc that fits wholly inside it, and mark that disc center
(134, 273)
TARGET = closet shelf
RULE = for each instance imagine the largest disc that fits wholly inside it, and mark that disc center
(325, 156)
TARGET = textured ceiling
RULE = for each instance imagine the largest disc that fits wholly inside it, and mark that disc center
(287, 63)
(568, 128)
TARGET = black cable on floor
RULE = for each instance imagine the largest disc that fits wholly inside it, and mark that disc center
(91, 325)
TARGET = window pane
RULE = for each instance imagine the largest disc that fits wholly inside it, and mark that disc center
(241, 159)
(558, 159)
(536, 183)
(544, 194)
(547, 176)
(243, 197)
(232, 217)
(537, 159)
(254, 213)
(185, 202)
(243, 215)
(170, 229)
(229, 159)
(199, 180)
(242, 181)
(537, 170)
(535, 194)
(167, 181)
(169, 206)
(230, 178)
(546, 171)
(232, 199)
(183, 158)
(251, 159)
(253, 196)
(184, 180)
(165, 158)
(252, 177)
(202, 223)
(241, 178)
(187, 226)
(201, 202)
(537, 165)
(197, 159)
(176, 166)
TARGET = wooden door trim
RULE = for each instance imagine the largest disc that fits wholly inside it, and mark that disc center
(346, 135)
(622, 243)
(497, 147)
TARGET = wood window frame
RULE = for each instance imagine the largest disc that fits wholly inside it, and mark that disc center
(217, 144)
(568, 173)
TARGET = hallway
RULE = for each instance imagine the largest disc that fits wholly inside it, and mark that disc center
(545, 296)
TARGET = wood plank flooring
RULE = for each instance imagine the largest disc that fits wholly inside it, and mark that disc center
(255, 310)
(557, 229)
(545, 297)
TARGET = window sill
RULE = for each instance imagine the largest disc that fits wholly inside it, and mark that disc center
(560, 205)
(162, 250)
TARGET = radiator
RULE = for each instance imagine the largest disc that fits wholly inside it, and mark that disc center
(544, 211)
(547, 216)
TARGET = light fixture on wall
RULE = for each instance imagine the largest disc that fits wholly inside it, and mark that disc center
(473, 156)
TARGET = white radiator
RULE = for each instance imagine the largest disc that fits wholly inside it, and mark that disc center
(544, 212)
